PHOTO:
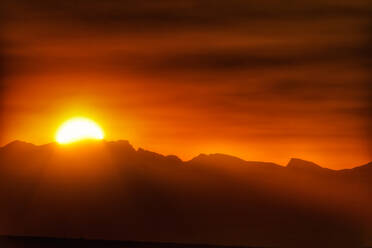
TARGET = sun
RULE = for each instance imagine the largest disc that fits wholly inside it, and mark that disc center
(78, 128)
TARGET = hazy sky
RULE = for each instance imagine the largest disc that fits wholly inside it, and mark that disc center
(262, 80)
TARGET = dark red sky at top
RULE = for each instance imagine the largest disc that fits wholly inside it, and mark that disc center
(263, 80)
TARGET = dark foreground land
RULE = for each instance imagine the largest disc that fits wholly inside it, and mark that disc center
(43, 242)
(111, 191)
(48, 242)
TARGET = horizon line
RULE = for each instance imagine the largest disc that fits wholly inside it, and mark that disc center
(200, 154)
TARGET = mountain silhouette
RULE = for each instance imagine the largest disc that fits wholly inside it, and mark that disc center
(110, 190)
(296, 163)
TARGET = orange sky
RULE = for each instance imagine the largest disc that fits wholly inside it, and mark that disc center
(262, 82)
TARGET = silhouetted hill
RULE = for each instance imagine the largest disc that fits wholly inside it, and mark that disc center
(364, 169)
(227, 160)
(308, 167)
(296, 163)
(109, 190)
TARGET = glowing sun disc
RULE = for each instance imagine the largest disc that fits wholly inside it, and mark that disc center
(77, 129)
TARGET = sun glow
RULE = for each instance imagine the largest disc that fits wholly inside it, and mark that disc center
(77, 129)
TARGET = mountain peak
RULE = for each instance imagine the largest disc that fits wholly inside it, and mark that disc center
(216, 157)
(18, 144)
(296, 163)
(120, 147)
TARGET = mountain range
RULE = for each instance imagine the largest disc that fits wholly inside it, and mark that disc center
(109, 190)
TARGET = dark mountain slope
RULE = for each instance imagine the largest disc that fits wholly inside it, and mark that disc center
(111, 190)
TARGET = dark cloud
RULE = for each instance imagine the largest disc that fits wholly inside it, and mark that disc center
(243, 59)
(144, 15)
